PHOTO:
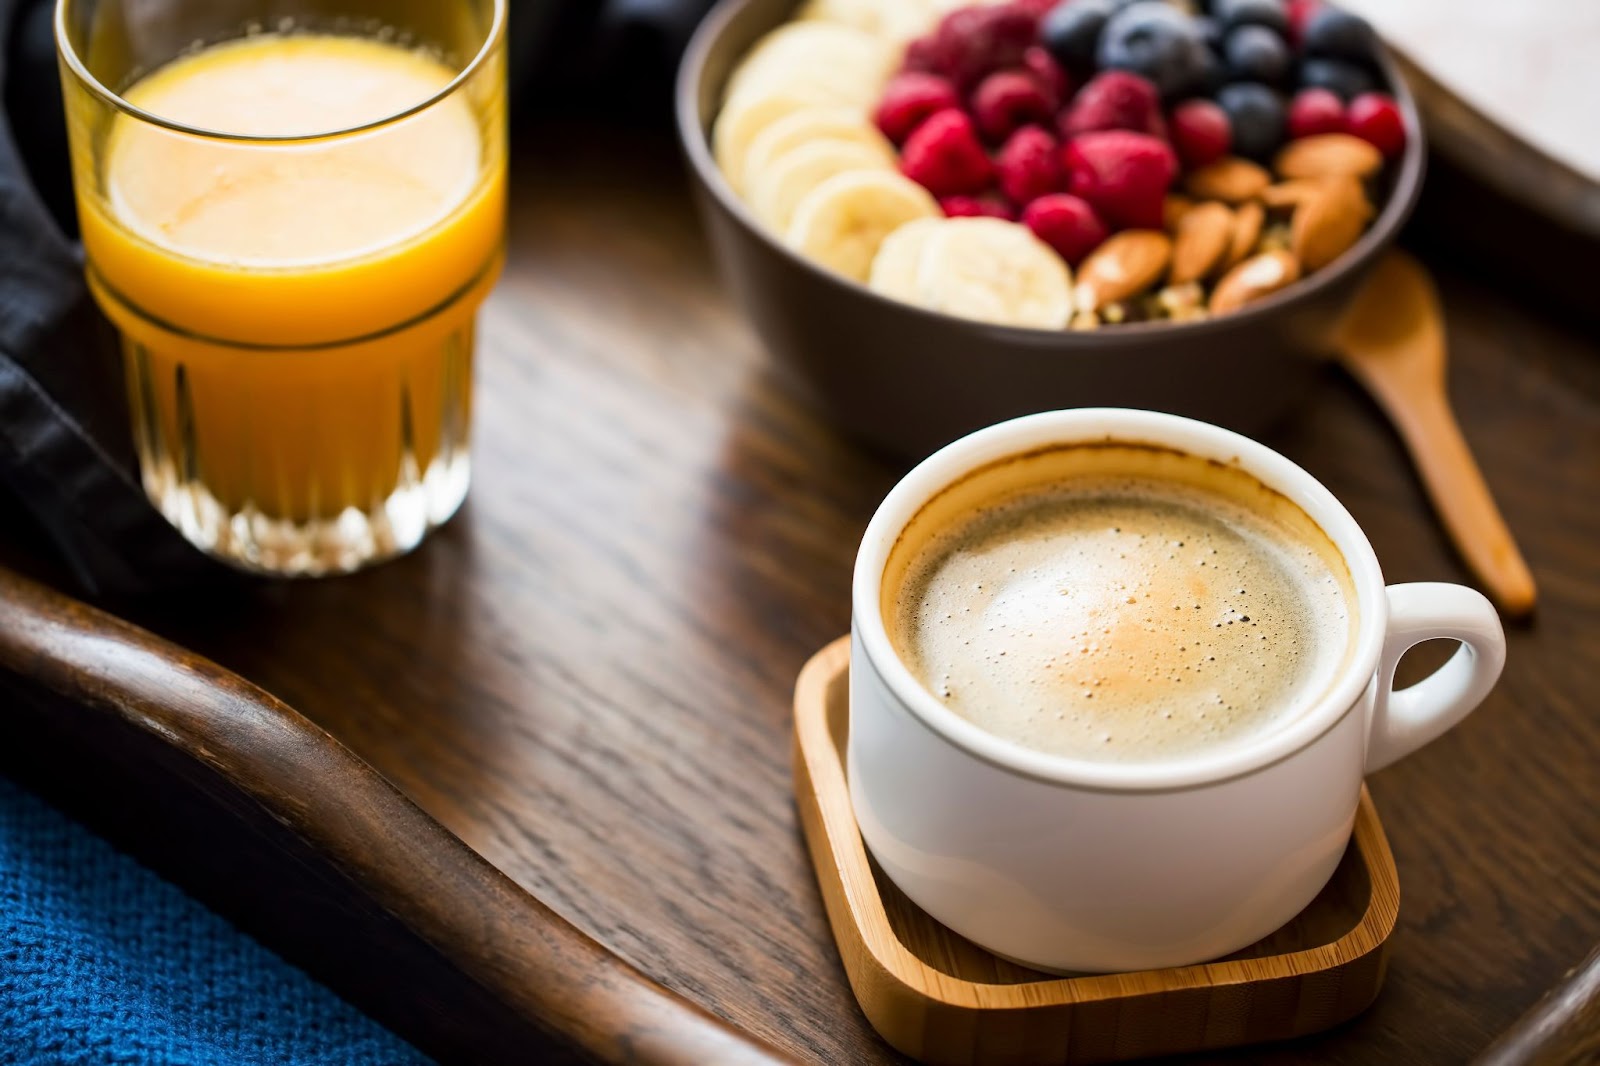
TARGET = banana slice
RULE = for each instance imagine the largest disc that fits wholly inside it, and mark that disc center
(841, 223)
(863, 15)
(941, 8)
(908, 19)
(820, 37)
(913, 18)
(744, 119)
(896, 21)
(776, 193)
(994, 271)
(849, 88)
(839, 61)
(894, 268)
(808, 127)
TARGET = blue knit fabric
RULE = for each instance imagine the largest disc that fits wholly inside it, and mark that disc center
(103, 962)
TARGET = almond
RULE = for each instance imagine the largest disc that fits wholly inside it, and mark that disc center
(1290, 194)
(1326, 224)
(1328, 155)
(1202, 239)
(1173, 208)
(1123, 266)
(1252, 279)
(1247, 223)
(1231, 180)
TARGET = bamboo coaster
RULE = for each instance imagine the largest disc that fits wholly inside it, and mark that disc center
(942, 999)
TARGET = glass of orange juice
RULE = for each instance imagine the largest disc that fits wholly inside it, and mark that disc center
(291, 210)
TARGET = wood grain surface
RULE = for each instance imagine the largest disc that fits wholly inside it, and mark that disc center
(587, 674)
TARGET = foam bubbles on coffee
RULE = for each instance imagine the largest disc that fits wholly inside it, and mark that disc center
(1122, 619)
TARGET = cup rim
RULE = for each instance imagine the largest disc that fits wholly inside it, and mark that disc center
(69, 55)
(1099, 424)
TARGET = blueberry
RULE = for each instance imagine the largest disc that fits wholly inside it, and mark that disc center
(1157, 41)
(1257, 116)
(1210, 31)
(1340, 35)
(1070, 31)
(1255, 53)
(1269, 13)
(1345, 79)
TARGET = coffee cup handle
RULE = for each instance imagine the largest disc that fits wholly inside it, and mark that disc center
(1405, 720)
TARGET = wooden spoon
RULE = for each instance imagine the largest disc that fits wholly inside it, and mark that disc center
(1392, 340)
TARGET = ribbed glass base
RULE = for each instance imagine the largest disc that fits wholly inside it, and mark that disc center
(282, 547)
(299, 463)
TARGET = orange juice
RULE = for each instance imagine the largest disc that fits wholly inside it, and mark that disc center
(297, 297)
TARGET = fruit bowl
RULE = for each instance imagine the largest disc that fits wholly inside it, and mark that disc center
(907, 380)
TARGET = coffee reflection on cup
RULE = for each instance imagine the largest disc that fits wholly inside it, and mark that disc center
(1117, 677)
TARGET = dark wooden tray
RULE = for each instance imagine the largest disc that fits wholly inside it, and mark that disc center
(1499, 158)
(307, 843)
(941, 999)
(577, 694)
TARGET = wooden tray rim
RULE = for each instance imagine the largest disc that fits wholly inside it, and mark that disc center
(260, 759)
(816, 775)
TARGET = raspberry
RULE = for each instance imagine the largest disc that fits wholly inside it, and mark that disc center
(1200, 132)
(1316, 111)
(1052, 75)
(944, 156)
(1065, 223)
(909, 98)
(1114, 100)
(1375, 118)
(986, 206)
(1007, 100)
(1123, 175)
(1036, 8)
(922, 54)
(1029, 165)
(971, 42)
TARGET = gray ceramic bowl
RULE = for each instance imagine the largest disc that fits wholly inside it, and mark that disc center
(908, 380)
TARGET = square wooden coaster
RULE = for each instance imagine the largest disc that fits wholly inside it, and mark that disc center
(942, 999)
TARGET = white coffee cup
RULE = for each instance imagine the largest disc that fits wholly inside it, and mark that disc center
(1079, 866)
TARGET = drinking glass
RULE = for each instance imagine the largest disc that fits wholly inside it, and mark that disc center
(298, 357)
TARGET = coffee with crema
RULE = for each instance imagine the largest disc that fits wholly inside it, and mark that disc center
(1119, 603)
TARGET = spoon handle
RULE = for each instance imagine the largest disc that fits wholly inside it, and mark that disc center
(1454, 483)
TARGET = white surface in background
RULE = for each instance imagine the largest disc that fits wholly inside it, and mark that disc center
(1532, 65)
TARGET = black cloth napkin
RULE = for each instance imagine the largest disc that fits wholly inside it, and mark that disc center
(65, 447)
